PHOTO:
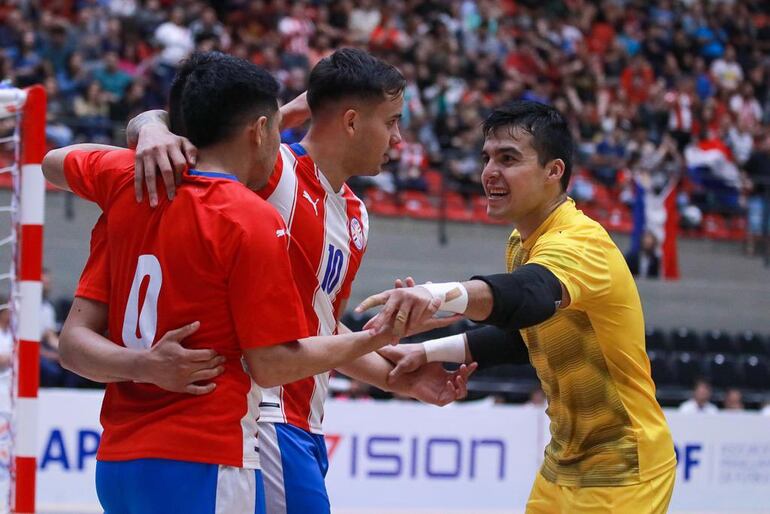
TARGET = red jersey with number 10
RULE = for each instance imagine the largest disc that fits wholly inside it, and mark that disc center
(329, 231)
(216, 254)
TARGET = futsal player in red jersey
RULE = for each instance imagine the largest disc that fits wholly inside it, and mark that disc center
(356, 102)
(213, 261)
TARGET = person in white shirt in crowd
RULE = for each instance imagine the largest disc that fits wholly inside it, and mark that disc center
(175, 38)
(740, 139)
(726, 70)
(700, 401)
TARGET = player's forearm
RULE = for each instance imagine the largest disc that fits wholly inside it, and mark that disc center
(53, 163)
(90, 355)
(155, 117)
(371, 368)
(295, 113)
(283, 363)
(480, 300)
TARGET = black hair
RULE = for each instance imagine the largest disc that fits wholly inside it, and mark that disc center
(352, 73)
(551, 136)
(214, 94)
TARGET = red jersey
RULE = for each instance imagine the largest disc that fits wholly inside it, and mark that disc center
(216, 254)
(329, 231)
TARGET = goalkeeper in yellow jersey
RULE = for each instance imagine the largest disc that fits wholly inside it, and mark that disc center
(569, 305)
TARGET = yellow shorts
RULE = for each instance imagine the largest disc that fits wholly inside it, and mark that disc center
(650, 497)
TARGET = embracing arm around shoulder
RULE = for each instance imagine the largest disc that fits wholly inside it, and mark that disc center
(53, 163)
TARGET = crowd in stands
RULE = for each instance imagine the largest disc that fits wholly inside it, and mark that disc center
(657, 92)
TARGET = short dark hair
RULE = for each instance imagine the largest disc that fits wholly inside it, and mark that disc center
(551, 136)
(352, 73)
(214, 94)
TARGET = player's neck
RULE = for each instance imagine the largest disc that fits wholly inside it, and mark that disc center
(326, 155)
(536, 217)
(224, 160)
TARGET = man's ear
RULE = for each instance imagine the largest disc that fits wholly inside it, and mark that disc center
(350, 121)
(555, 170)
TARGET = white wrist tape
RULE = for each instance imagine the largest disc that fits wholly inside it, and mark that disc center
(453, 295)
(446, 349)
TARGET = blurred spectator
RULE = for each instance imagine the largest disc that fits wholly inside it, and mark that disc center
(174, 38)
(364, 18)
(209, 26)
(645, 263)
(411, 162)
(462, 162)
(113, 81)
(758, 174)
(536, 398)
(733, 399)
(726, 70)
(609, 156)
(700, 401)
(57, 110)
(92, 109)
(51, 372)
(296, 29)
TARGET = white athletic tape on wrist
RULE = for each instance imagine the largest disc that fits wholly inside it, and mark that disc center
(446, 349)
(453, 296)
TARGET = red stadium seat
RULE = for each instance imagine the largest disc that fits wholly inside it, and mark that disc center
(382, 203)
(416, 204)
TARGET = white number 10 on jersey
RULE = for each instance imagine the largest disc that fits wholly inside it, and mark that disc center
(147, 266)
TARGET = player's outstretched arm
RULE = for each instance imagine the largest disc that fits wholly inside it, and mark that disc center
(487, 346)
(409, 305)
(84, 350)
(279, 364)
(431, 384)
(524, 298)
(53, 163)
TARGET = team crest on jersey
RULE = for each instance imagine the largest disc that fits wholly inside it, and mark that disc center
(357, 233)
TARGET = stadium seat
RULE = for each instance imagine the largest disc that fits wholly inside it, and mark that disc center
(382, 203)
(752, 343)
(662, 373)
(724, 372)
(433, 179)
(416, 204)
(720, 342)
(686, 340)
(656, 340)
(715, 227)
(756, 373)
(456, 208)
(687, 367)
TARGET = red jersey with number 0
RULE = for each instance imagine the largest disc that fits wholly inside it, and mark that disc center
(216, 254)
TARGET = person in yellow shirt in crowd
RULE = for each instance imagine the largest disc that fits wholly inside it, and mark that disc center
(569, 305)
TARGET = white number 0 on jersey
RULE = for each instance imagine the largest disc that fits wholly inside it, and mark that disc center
(147, 266)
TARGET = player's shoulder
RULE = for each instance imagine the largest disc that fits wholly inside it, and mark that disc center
(575, 227)
(244, 210)
(112, 159)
